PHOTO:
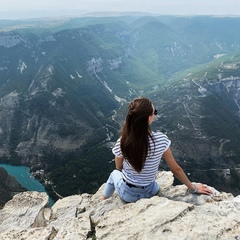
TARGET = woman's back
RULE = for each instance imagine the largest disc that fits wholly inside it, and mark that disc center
(157, 146)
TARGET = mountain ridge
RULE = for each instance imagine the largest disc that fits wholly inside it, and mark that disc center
(65, 87)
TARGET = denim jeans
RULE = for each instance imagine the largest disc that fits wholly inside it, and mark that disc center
(126, 193)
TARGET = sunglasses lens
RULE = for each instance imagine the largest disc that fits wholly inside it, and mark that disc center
(155, 112)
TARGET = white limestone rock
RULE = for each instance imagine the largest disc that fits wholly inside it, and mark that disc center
(174, 214)
(25, 210)
(140, 220)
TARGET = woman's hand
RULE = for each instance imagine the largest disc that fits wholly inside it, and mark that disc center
(203, 189)
(179, 173)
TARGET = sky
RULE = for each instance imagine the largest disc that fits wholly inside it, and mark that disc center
(14, 9)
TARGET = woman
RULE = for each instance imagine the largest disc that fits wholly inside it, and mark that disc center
(138, 152)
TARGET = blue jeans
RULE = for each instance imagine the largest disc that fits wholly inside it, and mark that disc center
(126, 193)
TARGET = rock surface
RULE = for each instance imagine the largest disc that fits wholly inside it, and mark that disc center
(173, 214)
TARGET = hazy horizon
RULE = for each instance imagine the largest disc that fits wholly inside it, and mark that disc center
(13, 9)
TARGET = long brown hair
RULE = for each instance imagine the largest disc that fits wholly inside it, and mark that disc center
(135, 132)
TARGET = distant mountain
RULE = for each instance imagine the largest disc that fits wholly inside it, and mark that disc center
(65, 85)
(200, 111)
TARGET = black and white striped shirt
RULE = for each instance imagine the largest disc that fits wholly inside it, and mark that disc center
(150, 169)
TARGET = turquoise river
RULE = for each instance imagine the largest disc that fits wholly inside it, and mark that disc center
(24, 177)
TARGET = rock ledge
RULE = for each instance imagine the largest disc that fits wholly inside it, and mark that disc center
(173, 214)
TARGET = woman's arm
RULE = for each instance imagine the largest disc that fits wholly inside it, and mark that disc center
(119, 163)
(179, 173)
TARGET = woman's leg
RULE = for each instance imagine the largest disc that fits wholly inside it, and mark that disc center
(112, 181)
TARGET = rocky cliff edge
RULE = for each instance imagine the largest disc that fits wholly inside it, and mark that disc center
(174, 214)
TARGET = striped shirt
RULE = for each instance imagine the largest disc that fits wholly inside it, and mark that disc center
(150, 169)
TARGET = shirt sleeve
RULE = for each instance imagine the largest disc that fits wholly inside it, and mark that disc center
(163, 141)
(167, 141)
(116, 150)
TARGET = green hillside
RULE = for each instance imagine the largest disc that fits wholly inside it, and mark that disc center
(66, 83)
